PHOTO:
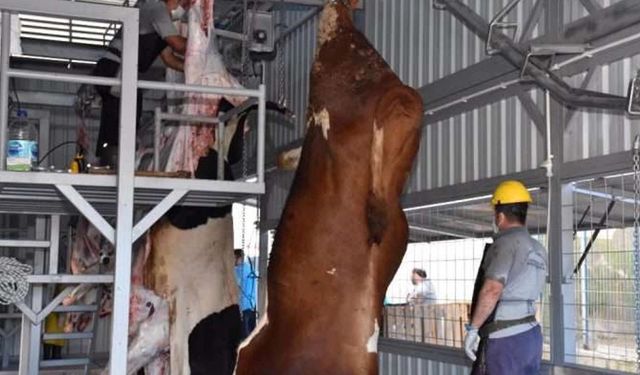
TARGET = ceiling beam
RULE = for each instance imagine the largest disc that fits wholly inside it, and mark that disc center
(515, 54)
(603, 26)
(439, 230)
(591, 6)
(316, 3)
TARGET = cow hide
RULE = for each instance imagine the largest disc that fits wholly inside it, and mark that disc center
(343, 233)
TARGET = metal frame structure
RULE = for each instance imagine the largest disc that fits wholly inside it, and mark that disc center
(93, 196)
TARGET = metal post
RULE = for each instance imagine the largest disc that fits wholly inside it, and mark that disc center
(263, 254)
(37, 299)
(221, 155)
(4, 86)
(554, 24)
(126, 159)
(263, 261)
(156, 139)
(5, 340)
(262, 113)
(55, 244)
(586, 329)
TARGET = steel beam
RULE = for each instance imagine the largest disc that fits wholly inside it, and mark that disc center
(263, 261)
(61, 50)
(532, 21)
(441, 231)
(88, 211)
(570, 112)
(591, 6)
(5, 52)
(542, 76)
(25, 244)
(125, 202)
(157, 212)
(70, 279)
(533, 111)
(469, 190)
(596, 29)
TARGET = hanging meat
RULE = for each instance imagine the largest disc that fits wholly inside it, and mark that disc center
(343, 233)
(187, 262)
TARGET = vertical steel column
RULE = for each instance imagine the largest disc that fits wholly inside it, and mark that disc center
(553, 25)
(5, 51)
(221, 154)
(54, 251)
(25, 328)
(7, 327)
(124, 226)
(263, 259)
(37, 297)
(262, 113)
(157, 131)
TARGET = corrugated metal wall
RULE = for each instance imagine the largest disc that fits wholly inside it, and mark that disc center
(592, 133)
(490, 141)
(423, 44)
(395, 364)
(298, 50)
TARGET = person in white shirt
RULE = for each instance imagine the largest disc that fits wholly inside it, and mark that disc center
(423, 290)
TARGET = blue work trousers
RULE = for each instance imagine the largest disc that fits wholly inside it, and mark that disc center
(514, 355)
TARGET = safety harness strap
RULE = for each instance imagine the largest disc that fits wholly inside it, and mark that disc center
(499, 325)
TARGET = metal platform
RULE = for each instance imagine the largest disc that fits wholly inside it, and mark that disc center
(40, 193)
(98, 197)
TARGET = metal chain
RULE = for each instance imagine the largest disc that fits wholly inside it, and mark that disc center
(636, 241)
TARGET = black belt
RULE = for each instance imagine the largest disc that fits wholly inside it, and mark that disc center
(499, 325)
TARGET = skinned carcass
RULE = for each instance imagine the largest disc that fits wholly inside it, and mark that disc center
(188, 260)
(203, 66)
(148, 332)
(90, 254)
(342, 234)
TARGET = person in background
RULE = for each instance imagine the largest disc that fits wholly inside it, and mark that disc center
(503, 337)
(158, 36)
(423, 290)
(247, 284)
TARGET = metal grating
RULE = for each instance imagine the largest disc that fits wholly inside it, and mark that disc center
(20, 193)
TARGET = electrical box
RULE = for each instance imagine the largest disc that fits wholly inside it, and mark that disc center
(262, 34)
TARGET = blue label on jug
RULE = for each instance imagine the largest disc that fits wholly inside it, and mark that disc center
(19, 155)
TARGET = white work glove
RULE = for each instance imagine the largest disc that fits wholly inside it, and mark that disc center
(471, 342)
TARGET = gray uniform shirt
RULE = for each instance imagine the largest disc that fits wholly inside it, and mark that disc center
(520, 263)
(154, 19)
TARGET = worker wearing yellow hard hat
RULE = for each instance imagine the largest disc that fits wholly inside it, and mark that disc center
(510, 280)
(510, 192)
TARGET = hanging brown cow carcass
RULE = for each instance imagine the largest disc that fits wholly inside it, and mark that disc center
(343, 233)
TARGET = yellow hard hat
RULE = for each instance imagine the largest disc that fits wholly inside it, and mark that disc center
(509, 192)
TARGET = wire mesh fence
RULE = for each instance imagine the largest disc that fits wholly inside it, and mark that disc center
(447, 243)
(602, 305)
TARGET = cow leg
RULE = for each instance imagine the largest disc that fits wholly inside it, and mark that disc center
(213, 343)
(158, 366)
